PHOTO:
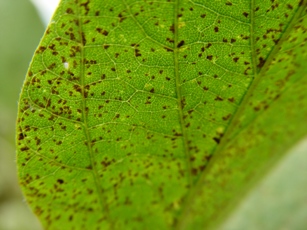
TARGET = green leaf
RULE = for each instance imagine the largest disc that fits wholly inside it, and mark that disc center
(159, 115)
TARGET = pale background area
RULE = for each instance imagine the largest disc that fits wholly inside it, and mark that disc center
(21, 29)
(45, 8)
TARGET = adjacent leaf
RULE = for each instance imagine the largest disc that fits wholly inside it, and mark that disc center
(126, 103)
(274, 204)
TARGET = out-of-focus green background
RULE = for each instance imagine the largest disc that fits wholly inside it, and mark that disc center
(20, 32)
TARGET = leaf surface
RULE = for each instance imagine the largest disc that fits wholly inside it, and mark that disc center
(156, 115)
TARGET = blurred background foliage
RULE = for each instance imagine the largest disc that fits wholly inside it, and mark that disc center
(20, 32)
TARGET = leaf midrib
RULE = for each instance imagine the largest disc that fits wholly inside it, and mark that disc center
(179, 95)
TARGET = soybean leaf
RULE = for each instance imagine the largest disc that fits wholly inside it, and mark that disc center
(158, 114)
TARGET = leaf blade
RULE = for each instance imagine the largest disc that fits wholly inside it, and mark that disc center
(126, 99)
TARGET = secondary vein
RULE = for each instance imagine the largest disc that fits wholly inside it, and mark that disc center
(95, 174)
(178, 92)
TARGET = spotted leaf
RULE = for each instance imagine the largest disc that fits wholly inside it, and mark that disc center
(158, 114)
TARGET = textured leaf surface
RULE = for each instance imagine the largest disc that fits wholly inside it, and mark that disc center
(126, 103)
